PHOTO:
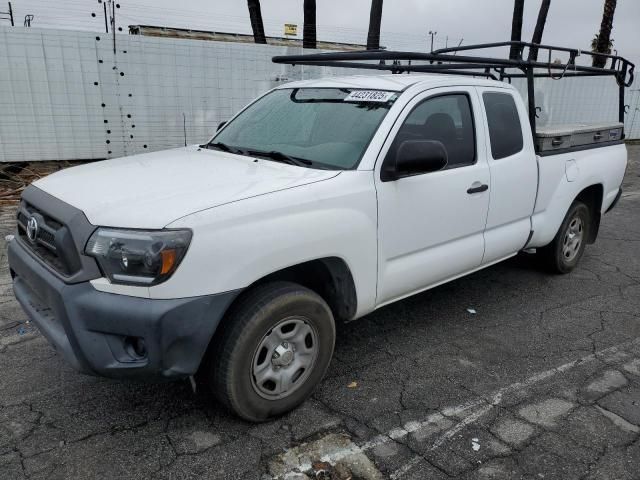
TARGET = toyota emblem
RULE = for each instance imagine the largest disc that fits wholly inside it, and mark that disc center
(32, 229)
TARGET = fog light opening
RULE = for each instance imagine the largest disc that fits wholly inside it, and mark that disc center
(136, 347)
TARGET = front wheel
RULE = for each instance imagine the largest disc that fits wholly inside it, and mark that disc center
(274, 348)
(564, 252)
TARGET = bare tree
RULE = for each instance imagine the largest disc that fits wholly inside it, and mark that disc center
(516, 27)
(255, 14)
(537, 33)
(375, 20)
(604, 42)
(309, 39)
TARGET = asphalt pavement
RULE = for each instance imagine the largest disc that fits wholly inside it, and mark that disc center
(507, 373)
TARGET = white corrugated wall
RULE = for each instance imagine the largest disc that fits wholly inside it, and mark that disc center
(64, 95)
(584, 100)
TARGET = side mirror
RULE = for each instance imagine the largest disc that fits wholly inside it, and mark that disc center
(417, 156)
(220, 125)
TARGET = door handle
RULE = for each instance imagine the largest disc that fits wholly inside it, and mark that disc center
(478, 189)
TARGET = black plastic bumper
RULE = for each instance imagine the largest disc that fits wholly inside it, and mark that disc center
(115, 335)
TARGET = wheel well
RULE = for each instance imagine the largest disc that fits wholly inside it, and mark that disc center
(592, 197)
(328, 277)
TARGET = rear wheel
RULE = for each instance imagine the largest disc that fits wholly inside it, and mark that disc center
(564, 252)
(274, 348)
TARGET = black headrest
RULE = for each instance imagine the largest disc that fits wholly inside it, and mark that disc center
(440, 126)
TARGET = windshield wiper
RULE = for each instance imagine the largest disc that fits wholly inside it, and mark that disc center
(281, 157)
(271, 155)
(224, 147)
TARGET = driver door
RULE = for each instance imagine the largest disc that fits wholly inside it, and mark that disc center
(431, 225)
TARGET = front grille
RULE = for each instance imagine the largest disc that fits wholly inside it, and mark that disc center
(46, 244)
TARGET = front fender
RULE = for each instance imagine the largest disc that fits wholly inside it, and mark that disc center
(237, 244)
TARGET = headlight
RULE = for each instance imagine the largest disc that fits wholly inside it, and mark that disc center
(135, 257)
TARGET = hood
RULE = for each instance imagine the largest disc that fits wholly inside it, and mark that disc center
(154, 189)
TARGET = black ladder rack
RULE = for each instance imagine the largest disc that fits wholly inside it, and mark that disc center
(447, 61)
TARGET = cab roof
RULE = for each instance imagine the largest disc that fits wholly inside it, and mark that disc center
(393, 82)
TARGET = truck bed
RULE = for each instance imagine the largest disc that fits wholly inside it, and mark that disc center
(563, 174)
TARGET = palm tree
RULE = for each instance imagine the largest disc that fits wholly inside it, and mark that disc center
(537, 33)
(309, 39)
(603, 41)
(594, 45)
(516, 27)
(375, 19)
(256, 21)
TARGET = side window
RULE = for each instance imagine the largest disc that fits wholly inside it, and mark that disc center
(505, 131)
(447, 119)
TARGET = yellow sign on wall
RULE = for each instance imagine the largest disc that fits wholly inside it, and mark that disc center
(290, 29)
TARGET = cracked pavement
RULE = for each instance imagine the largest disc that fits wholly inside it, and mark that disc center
(543, 381)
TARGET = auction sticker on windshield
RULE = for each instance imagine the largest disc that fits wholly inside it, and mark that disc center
(369, 96)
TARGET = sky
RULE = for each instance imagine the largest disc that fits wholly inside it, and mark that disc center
(405, 23)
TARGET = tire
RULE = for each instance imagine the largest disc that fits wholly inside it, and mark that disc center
(274, 348)
(564, 252)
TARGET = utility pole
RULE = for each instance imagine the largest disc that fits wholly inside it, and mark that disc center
(106, 22)
(433, 34)
(112, 12)
(8, 15)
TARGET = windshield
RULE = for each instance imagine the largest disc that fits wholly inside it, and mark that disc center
(324, 127)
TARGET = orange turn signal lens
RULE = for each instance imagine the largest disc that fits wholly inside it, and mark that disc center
(169, 257)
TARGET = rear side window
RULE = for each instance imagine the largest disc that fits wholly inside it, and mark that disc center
(505, 131)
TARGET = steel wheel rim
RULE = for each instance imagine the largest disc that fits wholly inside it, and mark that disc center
(573, 239)
(284, 358)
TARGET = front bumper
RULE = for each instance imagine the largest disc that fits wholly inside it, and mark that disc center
(96, 331)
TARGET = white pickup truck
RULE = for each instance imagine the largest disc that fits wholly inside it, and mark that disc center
(322, 200)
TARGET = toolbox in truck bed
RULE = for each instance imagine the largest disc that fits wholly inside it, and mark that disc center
(562, 137)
